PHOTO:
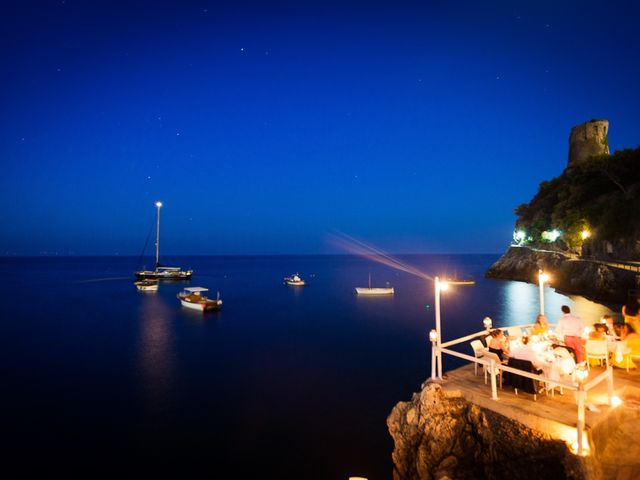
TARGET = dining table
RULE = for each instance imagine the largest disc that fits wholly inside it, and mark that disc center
(543, 354)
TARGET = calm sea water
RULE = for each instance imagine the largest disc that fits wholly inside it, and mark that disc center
(283, 382)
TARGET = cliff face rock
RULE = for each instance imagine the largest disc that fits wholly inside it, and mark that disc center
(593, 280)
(616, 439)
(588, 139)
(442, 436)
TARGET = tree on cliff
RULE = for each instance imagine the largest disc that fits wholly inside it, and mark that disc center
(602, 194)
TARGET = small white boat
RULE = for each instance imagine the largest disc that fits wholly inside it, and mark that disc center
(194, 297)
(294, 280)
(374, 291)
(147, 285)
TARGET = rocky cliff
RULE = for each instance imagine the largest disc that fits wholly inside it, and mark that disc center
(440, 436)
(587, 278)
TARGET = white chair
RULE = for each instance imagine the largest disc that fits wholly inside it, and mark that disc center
(478, 351)
(491, 356)
(567, 365)
(597, 349)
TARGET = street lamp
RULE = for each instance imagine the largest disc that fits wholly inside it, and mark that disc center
(585, 234)
(439, 287)
(542, 278)
(435, 335)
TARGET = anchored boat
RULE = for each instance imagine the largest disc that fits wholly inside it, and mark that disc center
(147, 285)
(161, 272)
(294, 280)
(195, 298)
(374, 291)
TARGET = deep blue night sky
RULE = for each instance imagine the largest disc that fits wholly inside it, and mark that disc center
(416, 127)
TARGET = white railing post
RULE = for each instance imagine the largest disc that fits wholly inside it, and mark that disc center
(433, 361)
(580, 424)
(433, 336)
(494, 387)
(610, 384)
(436, 284)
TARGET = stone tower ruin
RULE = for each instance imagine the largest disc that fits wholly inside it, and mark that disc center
(588, 139)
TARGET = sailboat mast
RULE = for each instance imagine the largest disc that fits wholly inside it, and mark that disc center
(158, 205)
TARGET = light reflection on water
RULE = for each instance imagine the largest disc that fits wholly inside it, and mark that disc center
(520, 304)
(155, 345)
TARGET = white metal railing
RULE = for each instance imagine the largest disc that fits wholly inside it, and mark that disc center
(495, 368)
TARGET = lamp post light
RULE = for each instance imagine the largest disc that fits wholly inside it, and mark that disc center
(585, 234)
(542, 278)
(439, 287)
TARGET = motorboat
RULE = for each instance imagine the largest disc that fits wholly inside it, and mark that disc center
(162, 272)
(147, 285)
(294, 280)
(196, 299)
(374, 290)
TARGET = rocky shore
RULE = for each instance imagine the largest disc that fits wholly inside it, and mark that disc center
(439, 435)
(594, 280)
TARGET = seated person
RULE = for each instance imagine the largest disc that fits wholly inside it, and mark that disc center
(632, 340)
(523, 351)
(541, 326)
(617, 329)
(499, 344)
(599, 332)
(608, 322)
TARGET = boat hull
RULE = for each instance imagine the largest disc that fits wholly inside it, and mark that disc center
(151, 275)
(202, 305)
(374, 291)
(294, 283)
(147, 288)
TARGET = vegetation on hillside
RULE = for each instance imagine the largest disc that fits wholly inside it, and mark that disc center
(601, 195)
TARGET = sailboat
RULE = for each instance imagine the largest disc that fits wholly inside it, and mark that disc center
(162, 272)
(374, 291)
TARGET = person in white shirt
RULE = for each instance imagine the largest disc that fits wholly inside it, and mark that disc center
(570, 329)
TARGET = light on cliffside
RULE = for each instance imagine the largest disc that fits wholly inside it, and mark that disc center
(519, 236)
(550, 235)
(585, 234)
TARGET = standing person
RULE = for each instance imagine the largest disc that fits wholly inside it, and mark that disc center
(570, 329)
